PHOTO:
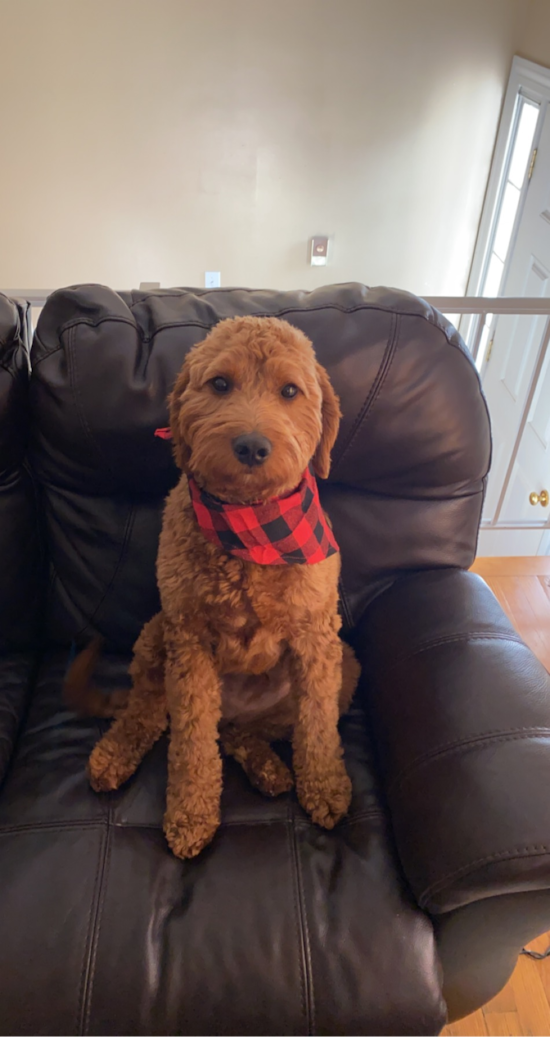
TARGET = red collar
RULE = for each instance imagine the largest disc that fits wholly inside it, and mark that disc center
(282, 531)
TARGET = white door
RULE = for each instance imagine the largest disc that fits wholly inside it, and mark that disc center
(510, 376)
(530, 275)
(515, 368)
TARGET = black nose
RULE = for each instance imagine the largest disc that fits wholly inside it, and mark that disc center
(252, 449)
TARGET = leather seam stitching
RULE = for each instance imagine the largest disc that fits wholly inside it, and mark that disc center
(39, 826)
(516, 854)
(472, 742)
(307, 939)
(77, 396)
(119, 561)
(96, 929)
(374, 391)
(73, 324)
(453, 639)
(280, 313)
(55, 579)
(84, 974)
(300, 933)
(366, 815)
(345, 604)
(118, 565)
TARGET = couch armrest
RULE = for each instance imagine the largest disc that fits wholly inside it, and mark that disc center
(16, 672)
(460, 710)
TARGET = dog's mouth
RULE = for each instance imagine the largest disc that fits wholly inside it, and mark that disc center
(247, 485)
(247, 489)
(237, 498)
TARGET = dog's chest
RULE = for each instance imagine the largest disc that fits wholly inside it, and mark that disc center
(268, 606)
(248, 626)
(251, 612)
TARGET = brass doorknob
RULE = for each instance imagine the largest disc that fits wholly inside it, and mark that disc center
(540, 498)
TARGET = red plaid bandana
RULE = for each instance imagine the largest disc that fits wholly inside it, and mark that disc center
(282, 531)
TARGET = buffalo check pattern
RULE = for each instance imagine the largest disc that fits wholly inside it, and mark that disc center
(292, 530)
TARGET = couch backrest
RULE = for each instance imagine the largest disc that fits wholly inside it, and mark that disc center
(409, 467)
(19, 540)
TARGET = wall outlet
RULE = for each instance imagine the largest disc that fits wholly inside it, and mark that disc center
(212, 279)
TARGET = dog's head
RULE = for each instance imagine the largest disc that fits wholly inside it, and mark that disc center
(251, 408)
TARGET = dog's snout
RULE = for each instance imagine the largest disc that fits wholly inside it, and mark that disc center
(252, 449)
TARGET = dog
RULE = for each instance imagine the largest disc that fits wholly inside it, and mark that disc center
(246, 649)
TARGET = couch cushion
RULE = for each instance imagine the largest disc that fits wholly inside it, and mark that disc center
(406, 487)
(16, 679)
(19, 541)
(278, 927)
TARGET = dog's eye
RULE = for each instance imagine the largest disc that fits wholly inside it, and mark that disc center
(220, 384)
(288, 391)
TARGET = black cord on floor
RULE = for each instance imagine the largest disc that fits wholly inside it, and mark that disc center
(536, 955)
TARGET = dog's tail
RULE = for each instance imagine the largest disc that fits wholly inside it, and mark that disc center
(81, 696)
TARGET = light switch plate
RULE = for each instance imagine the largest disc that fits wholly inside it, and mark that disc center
(212, 279)
(318, 251)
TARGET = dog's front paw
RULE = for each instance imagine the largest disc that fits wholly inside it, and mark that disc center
(187, 835)
(107, 769)
(327, 799)
(273, 779)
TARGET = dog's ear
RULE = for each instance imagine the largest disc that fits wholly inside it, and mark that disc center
(182, 452)
(330, 415)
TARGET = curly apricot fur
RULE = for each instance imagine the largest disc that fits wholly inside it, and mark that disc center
(240, 653)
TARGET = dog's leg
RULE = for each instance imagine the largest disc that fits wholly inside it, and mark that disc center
(323, 785)
(263, 768)
(193, 690)
(143, 720)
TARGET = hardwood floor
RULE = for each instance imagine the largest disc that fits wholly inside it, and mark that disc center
(522, 585)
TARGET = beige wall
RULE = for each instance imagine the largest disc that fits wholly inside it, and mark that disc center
(534, 42)
(156, 139)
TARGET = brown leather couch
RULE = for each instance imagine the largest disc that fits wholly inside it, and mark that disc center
(421, 899)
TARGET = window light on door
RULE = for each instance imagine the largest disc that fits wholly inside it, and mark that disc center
(516, 171)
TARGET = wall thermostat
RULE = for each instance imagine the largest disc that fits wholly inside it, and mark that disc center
(318, 253)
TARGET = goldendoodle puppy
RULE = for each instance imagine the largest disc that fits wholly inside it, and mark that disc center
(246, 649)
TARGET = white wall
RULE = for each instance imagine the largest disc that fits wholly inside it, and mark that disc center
(534, 42)
(156, 139)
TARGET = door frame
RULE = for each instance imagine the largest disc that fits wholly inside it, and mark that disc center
(534, 81)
